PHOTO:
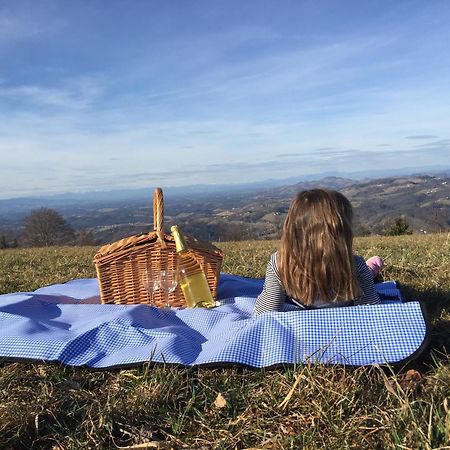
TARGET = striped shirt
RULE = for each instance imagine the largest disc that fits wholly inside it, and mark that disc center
(273, 295)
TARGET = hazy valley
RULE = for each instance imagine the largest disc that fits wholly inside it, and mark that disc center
(257, 213)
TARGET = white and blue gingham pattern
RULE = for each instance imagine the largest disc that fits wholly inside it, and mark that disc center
(66, 323)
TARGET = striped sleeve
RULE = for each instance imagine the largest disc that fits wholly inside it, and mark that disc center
(273, 295)
(365, 278)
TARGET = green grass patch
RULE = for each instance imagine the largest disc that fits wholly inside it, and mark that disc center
(50, 406)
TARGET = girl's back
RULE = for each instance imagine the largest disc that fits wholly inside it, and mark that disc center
(315, 265)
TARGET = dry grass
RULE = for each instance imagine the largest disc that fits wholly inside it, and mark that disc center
(55, 407)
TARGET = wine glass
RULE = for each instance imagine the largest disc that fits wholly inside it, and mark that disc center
(168, 281)
(150, 283)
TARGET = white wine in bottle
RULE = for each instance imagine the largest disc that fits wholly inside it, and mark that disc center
(192, 279)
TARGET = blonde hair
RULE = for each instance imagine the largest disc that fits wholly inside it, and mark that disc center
(315, 258)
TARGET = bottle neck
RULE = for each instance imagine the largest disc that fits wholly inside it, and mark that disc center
(180, 243)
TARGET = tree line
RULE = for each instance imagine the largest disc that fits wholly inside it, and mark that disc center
(44, 227)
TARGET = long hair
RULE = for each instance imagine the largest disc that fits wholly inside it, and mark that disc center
(315, 258)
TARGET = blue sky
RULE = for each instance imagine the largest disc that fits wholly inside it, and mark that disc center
(108, 94)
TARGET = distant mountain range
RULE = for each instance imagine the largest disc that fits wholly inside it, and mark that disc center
(119, 195)
(252, 211)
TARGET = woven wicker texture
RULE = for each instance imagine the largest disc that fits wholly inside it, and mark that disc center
(123, 266)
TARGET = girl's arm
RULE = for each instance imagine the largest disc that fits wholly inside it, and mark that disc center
(365, 278)
(273, 295)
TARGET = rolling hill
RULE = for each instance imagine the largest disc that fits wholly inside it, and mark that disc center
(230, 214)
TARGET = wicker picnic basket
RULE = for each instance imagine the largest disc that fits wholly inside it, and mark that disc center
(122, 265)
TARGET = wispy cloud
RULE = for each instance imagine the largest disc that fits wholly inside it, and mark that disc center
(197, 94)
(74, 94)
(24, 21)
(421, 136)
(12, 28)
(442, 143)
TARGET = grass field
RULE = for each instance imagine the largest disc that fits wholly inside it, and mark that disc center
(49, 406)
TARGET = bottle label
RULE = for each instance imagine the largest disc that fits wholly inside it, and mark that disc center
(196, 290)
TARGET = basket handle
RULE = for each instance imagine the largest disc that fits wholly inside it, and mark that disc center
(158, 215)
(158, 210)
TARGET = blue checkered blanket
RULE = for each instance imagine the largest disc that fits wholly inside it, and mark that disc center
(66, 323)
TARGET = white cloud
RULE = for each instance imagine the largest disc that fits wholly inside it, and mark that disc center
(76, 93)
(187, 104)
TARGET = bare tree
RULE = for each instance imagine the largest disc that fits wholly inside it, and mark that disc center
(44, 227)
(8, 238)
(3, 242)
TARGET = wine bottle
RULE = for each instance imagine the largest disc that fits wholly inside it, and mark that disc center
(192, 279)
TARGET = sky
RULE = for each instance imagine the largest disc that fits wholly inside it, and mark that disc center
(112, 94)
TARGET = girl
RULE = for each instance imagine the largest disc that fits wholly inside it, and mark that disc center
(315, 266)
